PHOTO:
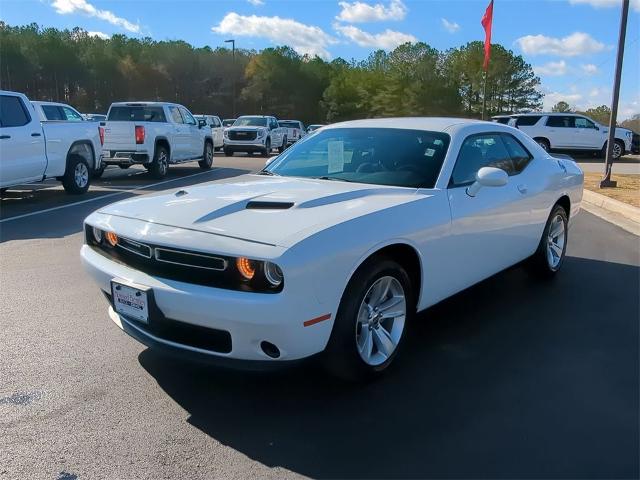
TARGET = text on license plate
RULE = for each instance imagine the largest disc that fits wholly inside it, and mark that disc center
(131, 302)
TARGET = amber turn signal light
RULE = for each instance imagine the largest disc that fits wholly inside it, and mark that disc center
(112, 238)
(245, 267)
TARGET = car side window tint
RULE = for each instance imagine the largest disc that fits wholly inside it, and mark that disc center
(520, 156)
(12, 112)
(527, 120)
(188, 118)
(582, 122)
(175, 115)
(70, 115)
(216, 122)
(53, 112)
(478, 151)
(560, 121)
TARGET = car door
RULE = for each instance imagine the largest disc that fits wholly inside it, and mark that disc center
(218, 132)
(588, 134)
(561, 131)
(490, 231)
(195, 138)
(180, 147)
(22, 149)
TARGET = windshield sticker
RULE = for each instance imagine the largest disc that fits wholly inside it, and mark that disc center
(335, 150)
(429, 152)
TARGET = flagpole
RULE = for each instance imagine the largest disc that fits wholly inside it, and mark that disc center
(484, 97)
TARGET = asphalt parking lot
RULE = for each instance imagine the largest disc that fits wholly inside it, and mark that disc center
(509, 379)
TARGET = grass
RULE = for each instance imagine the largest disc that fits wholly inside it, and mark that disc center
(627, 191)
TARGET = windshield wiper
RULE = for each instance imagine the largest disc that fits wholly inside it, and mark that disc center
(337, 179)
(267, 172)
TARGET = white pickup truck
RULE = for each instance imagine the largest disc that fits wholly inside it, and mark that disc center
(32, 149)
(295, 130)
(154, 134)
(255, 133)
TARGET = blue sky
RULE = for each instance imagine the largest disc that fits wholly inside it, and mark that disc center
(571, 43)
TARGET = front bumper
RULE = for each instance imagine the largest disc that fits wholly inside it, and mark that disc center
(249, 318)
(256, 145)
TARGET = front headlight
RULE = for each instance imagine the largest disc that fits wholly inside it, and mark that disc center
(97, 234)
(225, 134)
(261, 133)
(629, 134)
(260, 274)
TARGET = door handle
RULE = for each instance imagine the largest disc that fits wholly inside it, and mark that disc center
(3, 137)
(522, 188)
(35, 134)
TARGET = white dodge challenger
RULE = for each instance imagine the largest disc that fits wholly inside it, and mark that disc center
(335, 245)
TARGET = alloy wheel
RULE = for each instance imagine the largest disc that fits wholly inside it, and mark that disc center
(555, 242)
(81, 175)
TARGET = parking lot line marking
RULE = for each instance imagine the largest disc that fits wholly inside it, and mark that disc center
(132, 189)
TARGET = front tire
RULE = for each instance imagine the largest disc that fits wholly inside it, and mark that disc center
(618, 149)
(207, 157)
(371, 321)
(267, 148)
(549, 257)
(283, 147)
(76, 179)
(160, 165)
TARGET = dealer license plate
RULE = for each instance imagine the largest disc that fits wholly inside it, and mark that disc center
(130, 302)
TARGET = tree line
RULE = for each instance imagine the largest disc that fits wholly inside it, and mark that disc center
(414, 79)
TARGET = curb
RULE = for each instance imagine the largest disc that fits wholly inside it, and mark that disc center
(614, 211)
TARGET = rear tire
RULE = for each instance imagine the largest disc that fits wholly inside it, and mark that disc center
(76, 179)
(124, 167)
(544, 143)
(283, 147)
(361, 333)
(549, 257)
(618, 149)
(160, 165)
(207, 157)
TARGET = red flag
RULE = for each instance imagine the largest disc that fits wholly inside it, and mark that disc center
(487, 20)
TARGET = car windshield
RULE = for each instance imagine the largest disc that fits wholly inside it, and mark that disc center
(379, 156)
(228, 122)
(251, 122)
(289, 124)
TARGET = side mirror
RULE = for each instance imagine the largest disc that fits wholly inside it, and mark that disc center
(488, 177)
(596, 127)
(202, 123)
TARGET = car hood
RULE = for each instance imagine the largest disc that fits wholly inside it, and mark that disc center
(270, 210)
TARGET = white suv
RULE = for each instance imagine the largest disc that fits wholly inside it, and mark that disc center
(571, 131)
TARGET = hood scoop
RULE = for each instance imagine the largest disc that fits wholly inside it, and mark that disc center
(266, 205)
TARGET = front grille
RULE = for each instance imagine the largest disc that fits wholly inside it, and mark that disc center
(184, 333)
(242, 134)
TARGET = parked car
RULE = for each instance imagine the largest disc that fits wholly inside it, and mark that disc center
(155, 134)
(56, 111)
(227, 122)
(504, 119)
(255, 133)
(295, 130)
(32, 150)
(571, 132)
(94, 117)
(217, 130)
(336, 245)
(313, 127)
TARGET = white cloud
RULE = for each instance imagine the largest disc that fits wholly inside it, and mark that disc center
(101, 35)
(551, 98)
(256, 3)
(387, 40)
(589, 68)
(451, 27)
(635, 4)
(551, 69)
(577, 43)
(304, 39)
(358, 12)
(65, 7)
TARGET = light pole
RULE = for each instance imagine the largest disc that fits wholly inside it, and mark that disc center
(606, 181)
(233, 54)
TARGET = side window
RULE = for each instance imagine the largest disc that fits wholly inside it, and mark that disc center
(477, 151)
(175, 115)
(53, 112)
(71, 115)
(216, 122)
(560, 121)
(582, 122)
(188, 118)
(527, 120)
(12, 112)
(519, 155)
(274, 123)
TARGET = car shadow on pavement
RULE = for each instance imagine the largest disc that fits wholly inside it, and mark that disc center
(512, 378)
(65, 218)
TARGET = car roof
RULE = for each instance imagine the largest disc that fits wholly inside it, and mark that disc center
(414, 123)
(143, 104)
(550, 114)
(44, 102)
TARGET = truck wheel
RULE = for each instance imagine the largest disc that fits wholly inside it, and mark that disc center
(207, 157)
(228, 152)
(544, 143)
(160, 164)
(97, 172)
(76, 179)
(283, 147)
(618, 149)
(267, 148)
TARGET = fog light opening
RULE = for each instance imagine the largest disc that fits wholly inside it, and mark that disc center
(270, 349)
